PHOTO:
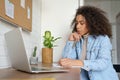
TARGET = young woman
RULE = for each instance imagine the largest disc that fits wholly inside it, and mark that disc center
(89, 45)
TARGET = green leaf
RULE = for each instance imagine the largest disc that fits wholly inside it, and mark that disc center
(47, 34)
(46, 42)
(56, 39)
(51, 45)
(51, 38)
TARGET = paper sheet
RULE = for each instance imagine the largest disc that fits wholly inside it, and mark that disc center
(22, 3)
(57, 65)
(28, 12)
(9, 9)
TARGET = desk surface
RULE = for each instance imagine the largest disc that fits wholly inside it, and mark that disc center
(12, 74)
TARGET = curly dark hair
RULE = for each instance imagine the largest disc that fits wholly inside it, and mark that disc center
(97, 22)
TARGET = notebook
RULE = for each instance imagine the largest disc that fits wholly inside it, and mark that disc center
(18, 55)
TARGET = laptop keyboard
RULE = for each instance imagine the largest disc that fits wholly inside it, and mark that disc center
(48, 69)
(40, 68)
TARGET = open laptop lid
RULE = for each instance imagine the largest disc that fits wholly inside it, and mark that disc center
(16, 50)
(18, 55)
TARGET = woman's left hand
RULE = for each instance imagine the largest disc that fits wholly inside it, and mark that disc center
(68, 63)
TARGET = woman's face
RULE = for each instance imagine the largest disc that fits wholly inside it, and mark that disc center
(81, 25)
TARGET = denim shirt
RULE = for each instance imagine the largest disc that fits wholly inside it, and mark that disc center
(98, 64)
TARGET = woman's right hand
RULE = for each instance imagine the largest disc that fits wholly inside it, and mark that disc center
(74, 37)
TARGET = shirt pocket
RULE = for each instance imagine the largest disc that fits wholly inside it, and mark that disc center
(94, 52)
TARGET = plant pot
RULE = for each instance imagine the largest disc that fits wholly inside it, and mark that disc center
(47, 55)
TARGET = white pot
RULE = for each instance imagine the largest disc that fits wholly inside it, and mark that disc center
(33, 60)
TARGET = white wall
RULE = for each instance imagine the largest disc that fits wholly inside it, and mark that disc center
(31, 38)
(57, 16)
(53, 15)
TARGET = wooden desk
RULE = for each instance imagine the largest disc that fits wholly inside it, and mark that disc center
(12, 74)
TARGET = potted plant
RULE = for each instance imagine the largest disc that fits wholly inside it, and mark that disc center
(47, 51)
(34, 58)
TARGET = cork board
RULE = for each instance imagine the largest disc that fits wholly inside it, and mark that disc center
(17, 12)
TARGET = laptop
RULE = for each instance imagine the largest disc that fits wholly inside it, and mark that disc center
(18, 55)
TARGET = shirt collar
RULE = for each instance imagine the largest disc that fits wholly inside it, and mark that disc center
(86, 35)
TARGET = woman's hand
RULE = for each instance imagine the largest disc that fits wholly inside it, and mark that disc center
(68, 63)
(75, 37)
